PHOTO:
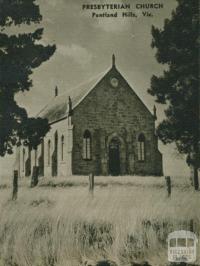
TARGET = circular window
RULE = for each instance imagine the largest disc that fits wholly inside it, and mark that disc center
(114, 82)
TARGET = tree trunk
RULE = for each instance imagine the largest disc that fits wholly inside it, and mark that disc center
(193, 162)
(195, 177)
(15, 185)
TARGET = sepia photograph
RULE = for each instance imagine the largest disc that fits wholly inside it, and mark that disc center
(99, 133)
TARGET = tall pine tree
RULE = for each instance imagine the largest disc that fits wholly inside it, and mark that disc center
(177, 46)
(20, 54)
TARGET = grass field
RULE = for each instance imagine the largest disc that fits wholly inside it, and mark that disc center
(126, 220)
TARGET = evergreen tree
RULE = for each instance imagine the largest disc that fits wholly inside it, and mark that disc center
(177, 46)
(20, 54)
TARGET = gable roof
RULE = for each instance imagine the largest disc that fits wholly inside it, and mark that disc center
(57, 108)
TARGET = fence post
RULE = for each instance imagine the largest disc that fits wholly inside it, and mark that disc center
(91, 182)
(34, 178)
(168, 184)
(15, 185)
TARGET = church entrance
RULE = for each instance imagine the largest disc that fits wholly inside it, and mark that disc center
(114, 157)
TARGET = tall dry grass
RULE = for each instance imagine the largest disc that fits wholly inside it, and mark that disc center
(59, 223)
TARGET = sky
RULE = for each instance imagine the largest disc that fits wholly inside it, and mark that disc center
(84, 49)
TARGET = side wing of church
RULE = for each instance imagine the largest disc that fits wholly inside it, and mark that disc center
(102, 128)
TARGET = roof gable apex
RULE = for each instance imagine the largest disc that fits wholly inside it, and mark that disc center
(57, 108)
(115, 72)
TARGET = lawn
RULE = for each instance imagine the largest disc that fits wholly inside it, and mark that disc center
(126, 220)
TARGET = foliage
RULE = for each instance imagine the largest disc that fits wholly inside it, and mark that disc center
(178, 47)
(20, 54)
(127, 222)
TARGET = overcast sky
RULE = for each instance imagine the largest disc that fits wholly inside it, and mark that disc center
(84, 49)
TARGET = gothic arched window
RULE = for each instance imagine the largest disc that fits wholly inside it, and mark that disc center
(62, 147)
(87, 145)
(141, 147)
(49, 152)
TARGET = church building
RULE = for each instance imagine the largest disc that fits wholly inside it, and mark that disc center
(101, 127)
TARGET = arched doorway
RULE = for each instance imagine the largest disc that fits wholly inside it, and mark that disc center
(114, 157)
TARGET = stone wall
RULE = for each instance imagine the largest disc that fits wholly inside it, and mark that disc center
(107, 112)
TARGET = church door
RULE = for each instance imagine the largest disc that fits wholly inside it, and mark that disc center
(114, 157)
(55, 156)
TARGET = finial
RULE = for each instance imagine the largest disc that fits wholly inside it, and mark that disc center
(154, 112)
(56, 91)
(113, 60)
(70, 106)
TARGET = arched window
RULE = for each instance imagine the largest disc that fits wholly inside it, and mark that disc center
(62, 147)
(49, 152)
(23, 159)
(141, 147)
(87, 145)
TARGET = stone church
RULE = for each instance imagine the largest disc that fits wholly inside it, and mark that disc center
(101, 127)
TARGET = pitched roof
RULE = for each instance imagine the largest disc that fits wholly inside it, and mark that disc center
(57, 107)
